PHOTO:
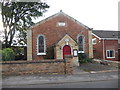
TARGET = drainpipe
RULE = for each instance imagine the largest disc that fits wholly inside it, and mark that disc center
(103, 50)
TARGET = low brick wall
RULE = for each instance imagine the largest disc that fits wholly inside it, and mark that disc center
(37, 67)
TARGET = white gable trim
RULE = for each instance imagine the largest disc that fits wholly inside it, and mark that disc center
(96, 36)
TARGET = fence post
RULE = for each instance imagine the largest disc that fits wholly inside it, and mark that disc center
(68, 64)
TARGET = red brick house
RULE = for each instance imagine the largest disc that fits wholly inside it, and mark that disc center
(57, 36)
(105, 44)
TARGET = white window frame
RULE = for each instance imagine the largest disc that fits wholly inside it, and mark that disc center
(118, 40)
(83, 43)
(61, 24)
(43, 53)
(109, 51)
(94, 39)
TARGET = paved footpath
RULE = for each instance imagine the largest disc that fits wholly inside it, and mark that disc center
(95, 72)
(46, 79)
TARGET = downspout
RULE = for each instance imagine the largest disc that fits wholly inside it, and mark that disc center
(103, 50)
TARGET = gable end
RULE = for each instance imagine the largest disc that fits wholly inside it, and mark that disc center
(60, 13)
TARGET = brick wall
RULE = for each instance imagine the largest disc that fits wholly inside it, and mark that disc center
(98, 48)
(111, 45)
(37, 67)
(54, 33)
(108, 45)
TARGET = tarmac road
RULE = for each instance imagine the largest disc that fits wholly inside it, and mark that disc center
(102, 79)
(88, 84)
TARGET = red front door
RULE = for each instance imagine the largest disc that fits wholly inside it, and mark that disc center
(66, 50)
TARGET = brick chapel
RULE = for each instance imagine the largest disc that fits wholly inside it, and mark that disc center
(57, 36)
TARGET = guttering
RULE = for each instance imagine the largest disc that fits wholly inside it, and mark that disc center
(110, 38)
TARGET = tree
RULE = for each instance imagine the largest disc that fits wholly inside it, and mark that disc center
(17, 17)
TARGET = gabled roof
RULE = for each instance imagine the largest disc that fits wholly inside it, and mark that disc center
(106, 34)
(57, 14)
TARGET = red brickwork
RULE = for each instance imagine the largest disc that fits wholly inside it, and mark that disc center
(37, 67)
(53, 33)
(108, 45)
(97, 49)
(111, 45)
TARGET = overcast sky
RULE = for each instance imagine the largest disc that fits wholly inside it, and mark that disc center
(96, 14)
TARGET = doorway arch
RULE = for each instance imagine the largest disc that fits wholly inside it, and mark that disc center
(66, 50)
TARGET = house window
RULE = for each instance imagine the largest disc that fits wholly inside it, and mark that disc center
(118, 40)
(61, 24)
(41, 49)
(94, 41)
(110, 53)
(80, 44)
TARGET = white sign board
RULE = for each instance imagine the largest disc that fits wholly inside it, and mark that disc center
(75, 52)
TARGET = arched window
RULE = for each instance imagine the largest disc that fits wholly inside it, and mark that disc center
(41, 47)
(80, 40)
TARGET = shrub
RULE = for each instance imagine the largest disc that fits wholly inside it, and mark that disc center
(19, 52)
(82, 58)
(118, 66)
(8, 54)
(50, 53)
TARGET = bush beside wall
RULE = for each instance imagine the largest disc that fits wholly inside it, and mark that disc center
(82, 57)
(50, 53)
(8, 54)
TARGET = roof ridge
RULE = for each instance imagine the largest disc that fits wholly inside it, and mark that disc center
(54, 15)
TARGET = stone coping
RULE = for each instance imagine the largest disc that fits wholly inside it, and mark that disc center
(33, 61)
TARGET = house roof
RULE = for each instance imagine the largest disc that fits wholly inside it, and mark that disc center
(106, 34)
(57, 14)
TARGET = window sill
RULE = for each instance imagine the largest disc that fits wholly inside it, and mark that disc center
(110, 57)
(81, 52)
(94, 43)
(41, 53)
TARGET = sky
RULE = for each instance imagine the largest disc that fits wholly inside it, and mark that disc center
(96, 14)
